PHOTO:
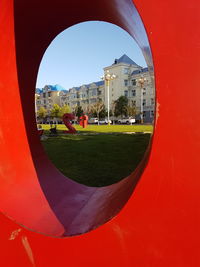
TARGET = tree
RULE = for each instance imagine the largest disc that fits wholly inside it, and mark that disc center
(42, 113)
(78, 111)
(55, 111)
(88, 110)
(103, 113)
(121, 105)
(64, 109)
(97, 108)
(131, 110)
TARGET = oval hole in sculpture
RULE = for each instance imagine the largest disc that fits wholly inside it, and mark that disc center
(69, 82)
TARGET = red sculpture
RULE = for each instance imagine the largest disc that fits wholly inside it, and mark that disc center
(159, 225)
(83, 121)
(40, 132)
(67, 117)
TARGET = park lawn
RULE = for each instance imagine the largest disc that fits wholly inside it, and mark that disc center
(104, 128)
(97, 160)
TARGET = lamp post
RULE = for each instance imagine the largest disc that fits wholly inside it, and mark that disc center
(141, 81)
(107, 77)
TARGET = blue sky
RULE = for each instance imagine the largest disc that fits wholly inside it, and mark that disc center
(78, 55)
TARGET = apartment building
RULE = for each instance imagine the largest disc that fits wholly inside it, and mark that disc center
(141, 93)
(48, 96)
(135, 83)
(131, 81)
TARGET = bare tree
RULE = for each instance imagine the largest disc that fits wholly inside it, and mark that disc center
(131, 110)
(97, 108)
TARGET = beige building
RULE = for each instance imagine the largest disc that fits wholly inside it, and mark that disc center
(122, 68)
(131, 81)
(135, 83)
(84, 96)
(47, 97)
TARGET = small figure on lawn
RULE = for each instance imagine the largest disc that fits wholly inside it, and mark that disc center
(53, 130)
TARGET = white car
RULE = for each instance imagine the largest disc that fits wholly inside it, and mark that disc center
(104, 121)
(93, 120)
(126, 121)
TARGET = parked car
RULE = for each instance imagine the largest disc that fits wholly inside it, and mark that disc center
(93, 120)
(105, 121)
(126, 121)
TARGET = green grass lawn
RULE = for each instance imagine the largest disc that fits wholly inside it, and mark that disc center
(105, 128)
(98, 160)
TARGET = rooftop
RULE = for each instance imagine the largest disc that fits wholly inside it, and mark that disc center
(125, 59)
(139, 71)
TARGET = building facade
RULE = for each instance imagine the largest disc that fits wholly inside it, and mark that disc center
(47, 97)
(127, 83)
(86, 95)
(131, 81)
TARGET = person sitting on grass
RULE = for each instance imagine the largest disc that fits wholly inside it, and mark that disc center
(53, 130)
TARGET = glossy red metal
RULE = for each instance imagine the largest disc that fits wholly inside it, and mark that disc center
(66, 119)
(83, 121)
(159, 225)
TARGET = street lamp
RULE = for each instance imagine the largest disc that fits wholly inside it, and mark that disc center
(141, 81)
(107, 77)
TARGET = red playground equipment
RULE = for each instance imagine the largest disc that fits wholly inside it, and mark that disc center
(155, 211)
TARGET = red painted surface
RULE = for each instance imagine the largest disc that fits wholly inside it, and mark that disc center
(159, 225)
(40, 132)
(83, 121)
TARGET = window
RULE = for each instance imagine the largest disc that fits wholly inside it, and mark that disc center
(94, 92)
(126, 71)
(125, 82)
(126, 93)
(49, 94)
(133, 92)
(152, 101)
(44, 101)
(133, 103)
(144, 114)
(144, 91)
(152, 113)
(144, 102)
(44, 94)
(133, 82)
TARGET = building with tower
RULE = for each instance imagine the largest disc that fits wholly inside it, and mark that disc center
(132, 81)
